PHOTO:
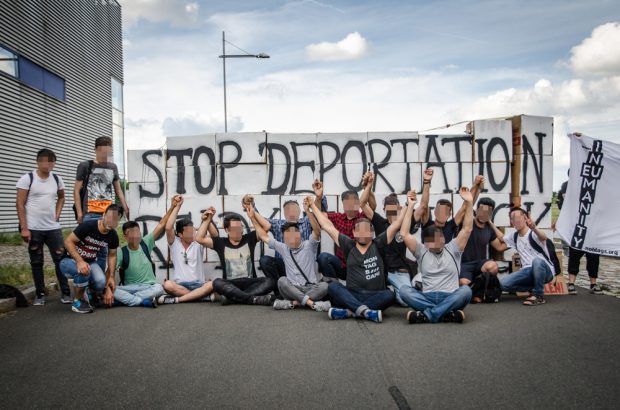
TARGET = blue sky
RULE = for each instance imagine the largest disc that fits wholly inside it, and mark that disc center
(370, 66)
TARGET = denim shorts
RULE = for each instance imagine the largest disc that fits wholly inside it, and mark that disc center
(191, 285)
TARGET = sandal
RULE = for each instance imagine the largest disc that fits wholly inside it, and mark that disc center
(534, 300)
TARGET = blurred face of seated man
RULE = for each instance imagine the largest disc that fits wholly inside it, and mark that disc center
(111, 217)
(434, 239)
(363, 232)
(391, 207)
(185, 230)
(132, 234)
(234, 230)
(443, 209)
(292, 211)
(350, 203)
(292, 236)
(517, 219)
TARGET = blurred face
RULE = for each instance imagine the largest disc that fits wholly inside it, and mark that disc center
(391, 212)
(351, 207)
(484, 213)
(187, 235)
(442, 213)
(435, 243)
(110, 219)
(363, 233)
(235, 231)
(517, 220)
(104, 154)
(292, 238)
(45, 165)
(292, 212)
(133, 236)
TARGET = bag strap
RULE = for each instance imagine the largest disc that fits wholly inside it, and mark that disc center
(146, 251)
(458, 268)
(298, 267)
(515, 238)
(124, 264)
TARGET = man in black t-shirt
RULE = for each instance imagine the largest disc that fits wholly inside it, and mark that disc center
(365, 294)
(475, 259)
(80, 263)
(396, 264)
(239, 283)
(442, 212)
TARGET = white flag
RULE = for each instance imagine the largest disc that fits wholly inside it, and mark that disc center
(589, 219)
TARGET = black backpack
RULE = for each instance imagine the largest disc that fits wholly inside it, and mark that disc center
(551, 258)
(487, 288)
(84, 188)
(125, 263)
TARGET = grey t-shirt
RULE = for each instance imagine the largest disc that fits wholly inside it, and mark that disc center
(364, 271)
(439, 271)
(305, 256)
(100, 185)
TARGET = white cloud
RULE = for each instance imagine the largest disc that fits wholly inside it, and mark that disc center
(353, 46)
(194, 124)
(598, 54)
(177, 12)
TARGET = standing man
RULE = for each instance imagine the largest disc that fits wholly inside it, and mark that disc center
(96, 185)
(40, 198)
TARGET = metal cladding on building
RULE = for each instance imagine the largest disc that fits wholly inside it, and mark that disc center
(61, 76)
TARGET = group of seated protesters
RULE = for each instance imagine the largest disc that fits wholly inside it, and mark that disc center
(368, 272)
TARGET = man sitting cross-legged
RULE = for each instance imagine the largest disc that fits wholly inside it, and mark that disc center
(137, 286)
(188, 279)
(300, 286)
(239, 283)
(441, 298)
(366, 294)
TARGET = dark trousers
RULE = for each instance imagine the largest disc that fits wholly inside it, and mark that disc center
(243, 290)
(574, 258)
(331, 266)
(55, 244)
(358, 300)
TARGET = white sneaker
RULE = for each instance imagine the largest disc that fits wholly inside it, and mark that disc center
(322, 306)
(282, 304)
(39, 301)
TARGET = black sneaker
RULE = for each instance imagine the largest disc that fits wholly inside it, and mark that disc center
(167, 300)
(572, 289)
(455, 316)
(81, 306)
(225, 301)
(416, 316)
(266, 300)
(596, 289)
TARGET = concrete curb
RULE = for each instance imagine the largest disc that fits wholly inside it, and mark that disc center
(8, 305)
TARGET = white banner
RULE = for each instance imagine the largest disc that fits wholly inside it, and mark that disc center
(589, 218)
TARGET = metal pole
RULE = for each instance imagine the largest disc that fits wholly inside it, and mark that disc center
(224, 71)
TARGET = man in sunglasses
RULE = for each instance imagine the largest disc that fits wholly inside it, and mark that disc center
(187, 282)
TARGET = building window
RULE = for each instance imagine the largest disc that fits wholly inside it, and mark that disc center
(8, 62)
(118, 137)
(38, 77)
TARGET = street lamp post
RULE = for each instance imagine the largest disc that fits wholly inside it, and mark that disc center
(224, 56)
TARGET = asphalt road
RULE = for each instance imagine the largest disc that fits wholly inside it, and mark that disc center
(565, 354)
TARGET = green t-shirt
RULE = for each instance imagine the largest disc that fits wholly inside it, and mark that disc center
(139, 269)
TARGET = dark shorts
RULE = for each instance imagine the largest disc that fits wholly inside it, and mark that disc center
(471, 270)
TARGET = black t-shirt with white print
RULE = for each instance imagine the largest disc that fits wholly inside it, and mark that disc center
(92, 240)
(364, 271)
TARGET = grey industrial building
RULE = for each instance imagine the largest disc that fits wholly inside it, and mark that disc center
(61, 87)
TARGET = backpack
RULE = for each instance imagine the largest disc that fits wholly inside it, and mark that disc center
(84, 188)
(551, 258)
(487, 287)
(31, 176)
(125, 263)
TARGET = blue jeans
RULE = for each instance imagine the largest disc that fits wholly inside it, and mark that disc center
(102, 255)
(436, 304)
(533, 278)
(95, 278)
(331, 266)
(133, 295)
(358, 300)
(398, 280)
